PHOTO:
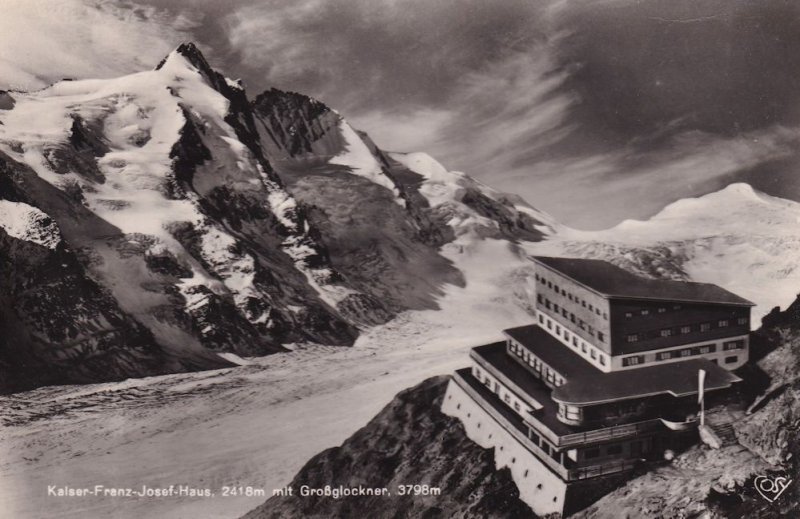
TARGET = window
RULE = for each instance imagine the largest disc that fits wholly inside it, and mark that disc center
(686, 352)
(705, 327)
(555, 307)
(605, 316)
(516, 407)
(742, 320)
(633, 337)
(572, 317)
(558, 330)
(661, 310)
(549, 324)
(556, 288)
(539, 299)
(722, 323)
(566, 335)
(591, 331)
(676, 307)
(591, 453)
(573, 412)
(507, 398)
(664, 355)
(569, 296)
(594, 353)
(583, 347)
(583, 303)
(705, 349)
(602, 360)
(613, 450)
(666, 332)
(633, 360)
(547, 303)
(536, 276)
(563, 292)
(628, 315)
(564, 312)
(731, 360)
(645, 311)
(686, 329)
(549, 284)
(591, 308)
(541, 318)
(574, 341)
(601, 336)
(732, 345)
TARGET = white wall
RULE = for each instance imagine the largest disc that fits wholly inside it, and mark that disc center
(539, 488)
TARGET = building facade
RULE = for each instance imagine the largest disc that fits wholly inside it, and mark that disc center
(605, 378)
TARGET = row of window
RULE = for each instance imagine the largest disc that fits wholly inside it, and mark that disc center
(634, 360)
(553, 286)
(487, 380)
(637, 448)
(571, 316)
(574, 340)
(659, 310)
(538, 366)
(683, 329)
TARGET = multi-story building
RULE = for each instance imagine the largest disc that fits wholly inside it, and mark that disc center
(605, 378)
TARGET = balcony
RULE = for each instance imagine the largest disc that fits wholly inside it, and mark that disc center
(515, 426)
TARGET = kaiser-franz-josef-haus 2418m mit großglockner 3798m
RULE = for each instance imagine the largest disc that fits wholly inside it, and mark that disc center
(609, 376)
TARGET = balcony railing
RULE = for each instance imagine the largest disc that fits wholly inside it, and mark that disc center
(517, 432)
(608, 433)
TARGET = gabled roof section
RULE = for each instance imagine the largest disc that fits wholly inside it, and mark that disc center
(612, 282)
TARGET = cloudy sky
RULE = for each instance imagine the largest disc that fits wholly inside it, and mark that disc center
(593, 111)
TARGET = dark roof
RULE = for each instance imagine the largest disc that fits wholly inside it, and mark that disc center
(586, 384)
(497, 356)
(613, 282)
(677, 379)
(552, 352)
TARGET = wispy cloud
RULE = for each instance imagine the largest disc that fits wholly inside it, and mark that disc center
(45, 40)
(594, 111)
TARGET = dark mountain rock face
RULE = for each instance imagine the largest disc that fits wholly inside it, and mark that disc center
(408, 442)
(58, 325)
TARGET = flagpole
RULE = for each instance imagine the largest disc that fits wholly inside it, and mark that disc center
(701, 379)
(702, 412)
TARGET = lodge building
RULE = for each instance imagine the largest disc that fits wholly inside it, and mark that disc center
(605, 378)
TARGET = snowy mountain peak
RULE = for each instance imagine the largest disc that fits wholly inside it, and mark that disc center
(735, 209)
(470, 208)
(189, 53)
(28, 223)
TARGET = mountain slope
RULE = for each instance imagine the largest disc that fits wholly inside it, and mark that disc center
(225, 225)
(408, 443)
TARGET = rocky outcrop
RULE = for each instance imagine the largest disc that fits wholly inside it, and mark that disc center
(409, 442)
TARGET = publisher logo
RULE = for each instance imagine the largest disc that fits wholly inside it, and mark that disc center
(771, 488)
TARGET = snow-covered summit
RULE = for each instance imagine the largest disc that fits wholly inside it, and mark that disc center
(469, 207)
(739, 238)
(28, 223)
